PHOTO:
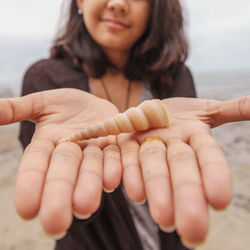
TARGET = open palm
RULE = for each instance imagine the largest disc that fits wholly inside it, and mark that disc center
(53, 176)
(181, 178)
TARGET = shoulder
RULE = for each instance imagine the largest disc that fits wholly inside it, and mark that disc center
(184, 73)
(45, 66)
(183, 83)
(57, 70)
(49, 74)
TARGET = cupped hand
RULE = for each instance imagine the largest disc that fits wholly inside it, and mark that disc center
(186, 172)
(58, 180)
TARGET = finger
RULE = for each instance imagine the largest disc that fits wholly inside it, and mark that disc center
(216, 174)
(56, 207)
(112, 172)
(191, 211)
(157, 183)
(20, 108)
(229, 111)
(236, 110)
(31, 176)
(132, 173)
(88, 190)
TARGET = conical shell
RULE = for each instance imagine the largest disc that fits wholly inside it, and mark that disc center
(149, 114)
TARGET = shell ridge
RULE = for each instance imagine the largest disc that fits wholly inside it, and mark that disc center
(148, 114)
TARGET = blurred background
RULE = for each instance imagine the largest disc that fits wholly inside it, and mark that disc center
(219, 36)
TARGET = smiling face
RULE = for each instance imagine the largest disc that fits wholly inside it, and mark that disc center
(115, 24)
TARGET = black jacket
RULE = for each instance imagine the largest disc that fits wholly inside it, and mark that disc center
(111, 227)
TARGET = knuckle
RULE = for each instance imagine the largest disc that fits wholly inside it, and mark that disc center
(203, 142)
(152, 149)
(129, 148)
(243, 101)
(38, 148)
(112, 157)
(212, 107)
(67, 153)
(219, 165)
(181, 156)
(93, 152)
(93, 173)
(187, 183)
(208, 146)
(128, 165)
(61, 180)
(111, 148)
(156, 177)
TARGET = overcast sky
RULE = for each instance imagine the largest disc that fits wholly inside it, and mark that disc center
(218, 31)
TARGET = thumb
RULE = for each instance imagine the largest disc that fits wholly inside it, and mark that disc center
(20, 108)
(234, 110)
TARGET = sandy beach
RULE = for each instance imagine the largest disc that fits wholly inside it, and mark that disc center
(229, 229)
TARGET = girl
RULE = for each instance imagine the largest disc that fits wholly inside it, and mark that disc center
(125, 51)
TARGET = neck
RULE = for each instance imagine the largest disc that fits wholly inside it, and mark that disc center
(117, 58)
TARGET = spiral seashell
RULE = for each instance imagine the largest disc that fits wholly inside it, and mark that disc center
(147, 115)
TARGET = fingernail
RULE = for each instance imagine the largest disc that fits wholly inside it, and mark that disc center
(191, 245)
(167, 229)
(141, 202)
(108, 190)
(59, 236)
(82, 216)
(56, 236)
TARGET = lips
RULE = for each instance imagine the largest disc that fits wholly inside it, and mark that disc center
(116, 24)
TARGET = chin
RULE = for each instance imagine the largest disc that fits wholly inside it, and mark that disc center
(115, 44)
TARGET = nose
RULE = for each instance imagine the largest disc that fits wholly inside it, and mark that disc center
(119, 7)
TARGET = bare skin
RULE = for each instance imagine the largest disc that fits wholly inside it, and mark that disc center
(179, 180)
(51, 176)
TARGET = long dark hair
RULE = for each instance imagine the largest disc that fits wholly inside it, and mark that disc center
(154, 58)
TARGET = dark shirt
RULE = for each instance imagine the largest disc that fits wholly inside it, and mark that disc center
(112, 226)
